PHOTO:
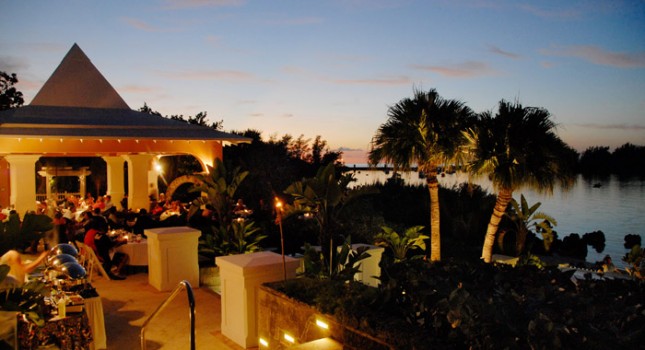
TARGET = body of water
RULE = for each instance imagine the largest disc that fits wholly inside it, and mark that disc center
(615, 207)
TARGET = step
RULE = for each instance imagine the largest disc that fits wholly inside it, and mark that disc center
(319, 344)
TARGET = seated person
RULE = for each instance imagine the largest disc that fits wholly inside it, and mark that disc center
(97, 239)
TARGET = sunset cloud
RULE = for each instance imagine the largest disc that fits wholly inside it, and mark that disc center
(597, 55)
(227, 75)
(10, 64)
(141, 25)
(627, 127)
(469, 69)
(386, 81)
(560, 13)
(181, 4)
(496, 50)
(295, 21)
(138, 89)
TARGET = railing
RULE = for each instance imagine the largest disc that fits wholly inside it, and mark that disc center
(57, 196)
(191, 303)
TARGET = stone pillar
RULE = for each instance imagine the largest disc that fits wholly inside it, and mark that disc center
(172, 257)
(22, 177)
(115, 183)
(82, 185)
(241, 276)
(139, 167)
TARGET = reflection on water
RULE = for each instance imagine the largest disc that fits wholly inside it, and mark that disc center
(613, 206)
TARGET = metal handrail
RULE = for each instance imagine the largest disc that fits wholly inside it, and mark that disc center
(191, 302)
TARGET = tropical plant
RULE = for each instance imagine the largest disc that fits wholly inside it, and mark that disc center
(401, 245)
(516, 148)
(241, 237)
(218, 189)
(425, 131)
(323, 198)
(28, 299)
(229, 235)
(525, 220)
(346, 264)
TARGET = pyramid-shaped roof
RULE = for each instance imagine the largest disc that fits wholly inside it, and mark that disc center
(78, 83)
(77, 101)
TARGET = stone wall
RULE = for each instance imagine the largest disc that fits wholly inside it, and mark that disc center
(278, 314)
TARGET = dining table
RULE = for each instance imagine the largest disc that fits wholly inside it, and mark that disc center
(137, 251)
(72, 332)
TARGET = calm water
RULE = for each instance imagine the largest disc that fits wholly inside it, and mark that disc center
(616, 208)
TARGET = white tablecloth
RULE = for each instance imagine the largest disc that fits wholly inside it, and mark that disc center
(138, 252)
(94, 311)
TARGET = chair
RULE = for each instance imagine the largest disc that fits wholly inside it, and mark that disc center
(88, 260)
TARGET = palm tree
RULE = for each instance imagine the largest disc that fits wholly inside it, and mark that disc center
(517, 148)
(425, 130)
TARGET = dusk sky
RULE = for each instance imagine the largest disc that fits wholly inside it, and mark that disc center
(332, 68)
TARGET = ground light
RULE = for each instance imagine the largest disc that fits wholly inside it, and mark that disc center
(289, 338)
(263, 342)
(322, 324)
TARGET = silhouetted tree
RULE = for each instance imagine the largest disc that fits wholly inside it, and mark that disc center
(10, 97)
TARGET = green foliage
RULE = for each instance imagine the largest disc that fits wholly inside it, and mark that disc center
(345, 264)
(412, 241)
(636, 255)
(229, 235)
(9, 96)
(218, 189)
(28, 299)
(324, 198)
(240, 237)
(525, 220)
(16, 235)
(483, 306)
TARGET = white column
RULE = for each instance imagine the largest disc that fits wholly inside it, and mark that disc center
(22, 177)
(115, 183)
(139, 167)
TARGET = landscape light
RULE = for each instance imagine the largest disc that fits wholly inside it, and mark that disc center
(289, 338)
(322, 324)
(263, 342)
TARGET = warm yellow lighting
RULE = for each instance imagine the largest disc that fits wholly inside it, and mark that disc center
(137, 141)
(263, 342)
(61, 140)
(289, 338)
(119, 140)
(101, 140)
(41, 140)
(81, 140)
(322, 324)
(158, 168)
(278, 203)
(19, 139)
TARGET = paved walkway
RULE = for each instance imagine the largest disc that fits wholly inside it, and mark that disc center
(128, 303)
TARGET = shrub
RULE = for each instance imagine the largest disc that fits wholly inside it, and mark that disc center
(475, 305)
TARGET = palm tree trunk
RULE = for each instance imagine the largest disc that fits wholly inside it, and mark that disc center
(435, 236)
(503, 198)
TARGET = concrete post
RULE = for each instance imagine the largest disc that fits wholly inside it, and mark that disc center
(22, 177)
